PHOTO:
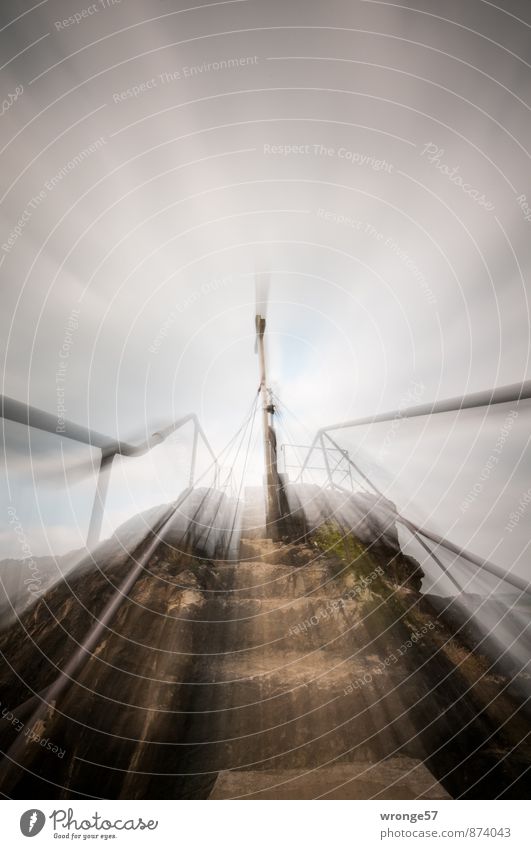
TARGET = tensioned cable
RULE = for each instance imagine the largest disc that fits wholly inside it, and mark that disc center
(246, 459)
(281, 406)
(233, 526)
(86, 647)
(285, 428)
(282, 419)
(249, 419)
(228, 446)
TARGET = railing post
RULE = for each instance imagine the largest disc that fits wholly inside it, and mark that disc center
(194, 455)
(98, 507)
(325, 457)
(309, 454)
(349, 467)
(353, 465)
(417, 532)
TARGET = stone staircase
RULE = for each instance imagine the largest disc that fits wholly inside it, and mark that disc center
(287, 722)
(277, 675)
(253, 514)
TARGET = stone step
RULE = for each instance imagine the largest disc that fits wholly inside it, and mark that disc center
(269, 551)
(225, 624)
(393, 778)
(297, 729)
(252, 533)
(254, 510)
(299, 716)
(304, 727)
(282, 671)
(232, 624)
(269, 580)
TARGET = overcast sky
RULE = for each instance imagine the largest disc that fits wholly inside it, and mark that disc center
(371, 158)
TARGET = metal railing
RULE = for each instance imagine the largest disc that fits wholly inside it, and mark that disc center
(40, 703)
(513, 393)
(335, 466)
(109, 448)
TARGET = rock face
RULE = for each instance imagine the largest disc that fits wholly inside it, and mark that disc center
(342, 520)
(307, 668)
(22, 582)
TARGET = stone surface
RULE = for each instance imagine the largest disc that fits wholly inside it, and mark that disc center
(396, 778)
(290, 668)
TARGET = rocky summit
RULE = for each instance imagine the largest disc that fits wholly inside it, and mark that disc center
(241, 666)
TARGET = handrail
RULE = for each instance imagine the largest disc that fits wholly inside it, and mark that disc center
(503, 395)
(29, 416)
(514, 392)
(41, 702)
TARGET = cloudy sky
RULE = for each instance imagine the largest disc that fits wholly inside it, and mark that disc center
(370, 157)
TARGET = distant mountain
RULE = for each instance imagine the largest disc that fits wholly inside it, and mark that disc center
(495, 626)
(23, 582)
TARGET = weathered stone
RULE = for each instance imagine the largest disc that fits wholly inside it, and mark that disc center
(308, 669)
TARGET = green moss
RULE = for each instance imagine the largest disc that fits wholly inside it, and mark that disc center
(331, 540)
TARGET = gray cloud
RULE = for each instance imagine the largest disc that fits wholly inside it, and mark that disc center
(285, 138)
